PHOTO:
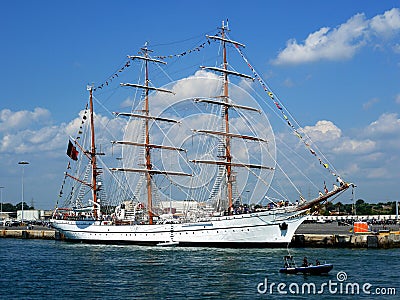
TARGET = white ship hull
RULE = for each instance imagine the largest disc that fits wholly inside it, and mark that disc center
(260, 229)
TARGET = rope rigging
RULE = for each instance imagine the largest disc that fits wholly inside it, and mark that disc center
(288, 119)
(280, 107)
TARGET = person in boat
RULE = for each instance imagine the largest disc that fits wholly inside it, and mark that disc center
(288, 262)
(317, 262)
(286, 265)
(305, 262)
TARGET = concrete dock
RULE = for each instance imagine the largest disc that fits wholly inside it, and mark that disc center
(337, 235)
(46, 234)
(386, 240)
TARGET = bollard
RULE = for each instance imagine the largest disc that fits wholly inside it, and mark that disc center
(372, 241)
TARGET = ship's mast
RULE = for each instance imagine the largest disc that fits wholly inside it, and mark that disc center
(228, 156)
(147, 139)
(93, 155)
(226, 105)
(148, 170)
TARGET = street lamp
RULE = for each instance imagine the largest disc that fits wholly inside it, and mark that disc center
(1, 197)
(23, 163)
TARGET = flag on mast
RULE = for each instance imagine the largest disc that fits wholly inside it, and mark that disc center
(71, 151)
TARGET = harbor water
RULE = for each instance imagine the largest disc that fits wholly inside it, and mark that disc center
(39, 269)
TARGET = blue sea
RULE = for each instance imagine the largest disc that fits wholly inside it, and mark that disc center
(43, 269)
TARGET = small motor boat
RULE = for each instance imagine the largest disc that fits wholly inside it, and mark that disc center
(168, 244)
(291, 268)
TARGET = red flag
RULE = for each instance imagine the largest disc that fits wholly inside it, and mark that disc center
(71, 151)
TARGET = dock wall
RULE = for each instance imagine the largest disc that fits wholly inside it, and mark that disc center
(28, 234)
(389, 240)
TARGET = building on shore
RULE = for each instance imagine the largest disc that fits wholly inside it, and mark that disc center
(33, 215)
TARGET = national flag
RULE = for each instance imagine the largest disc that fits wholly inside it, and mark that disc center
(71, 151)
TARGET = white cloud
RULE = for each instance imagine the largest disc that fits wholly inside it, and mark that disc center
(387, 123)
(128, 102)
(396, 48)
(288, 82)
(386, 24)
(397, 99)
(323, 131)
(13, 121)
(373, 157)
(31, 141)
(370, 103)
(369, 153)
(355, 146)
(377, 173)
(41, 136)
(328, 136)
(342, 42)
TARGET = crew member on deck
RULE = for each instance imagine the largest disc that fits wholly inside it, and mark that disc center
(340, 180)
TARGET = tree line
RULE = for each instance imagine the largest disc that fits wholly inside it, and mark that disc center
(8, 207)
(360, 208)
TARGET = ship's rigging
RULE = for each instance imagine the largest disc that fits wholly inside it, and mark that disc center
(227, 164)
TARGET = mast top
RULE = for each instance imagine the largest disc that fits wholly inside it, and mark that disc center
(223, 38)
(145, 49)
(225, 27)
(146, 58)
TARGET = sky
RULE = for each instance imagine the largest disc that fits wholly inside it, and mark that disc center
(335, 66)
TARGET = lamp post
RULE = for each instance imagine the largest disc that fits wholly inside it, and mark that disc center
(23, 163)
(353, 194)
(1, 197)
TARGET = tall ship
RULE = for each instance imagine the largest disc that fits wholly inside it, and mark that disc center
(194, 162)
